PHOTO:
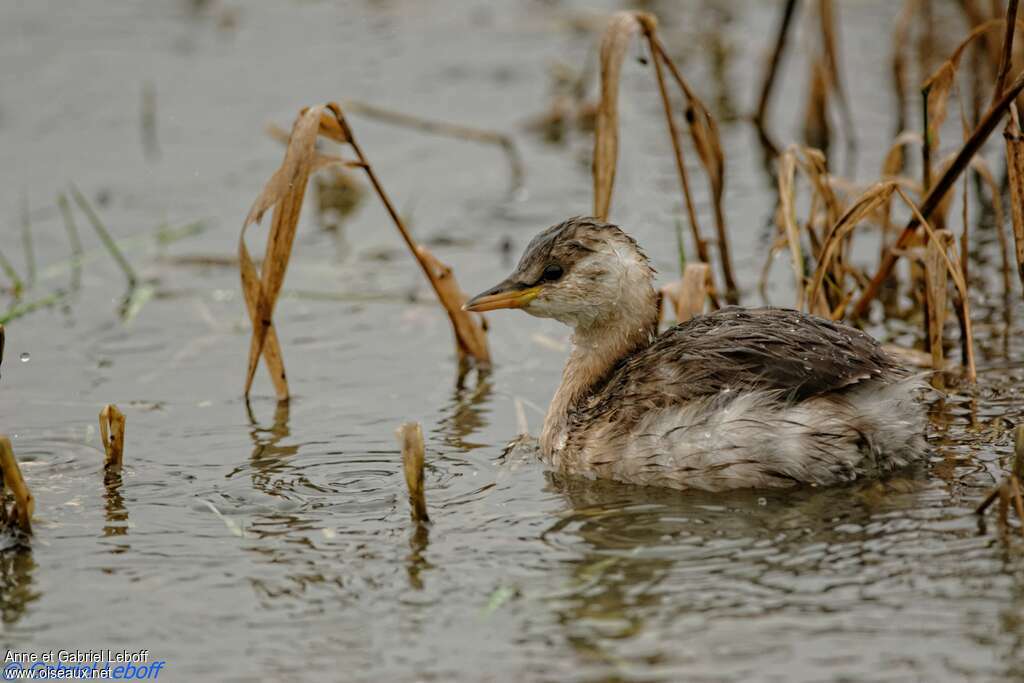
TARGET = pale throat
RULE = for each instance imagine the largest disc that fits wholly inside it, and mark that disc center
(596, 349)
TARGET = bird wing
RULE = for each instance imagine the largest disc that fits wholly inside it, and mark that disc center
(773, 349)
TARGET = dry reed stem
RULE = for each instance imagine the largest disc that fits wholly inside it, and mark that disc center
(937, 192)
(936, 90)
(768, 81)
(835, 82)
(470, 335)
(1018, 452)
(936, 295)
(1015, 176)
(981, 167)
(787, 212)
(24, 503)
(1006, 54)
(707, 142)
(673, 133)
(703, 130)
(443, 128)
(899, 65)
(410, 437)
(284, 192)
(112, 423)
(817, 132)
(469, 328)
(621, 29)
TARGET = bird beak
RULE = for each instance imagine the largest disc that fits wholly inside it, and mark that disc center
(505, 295)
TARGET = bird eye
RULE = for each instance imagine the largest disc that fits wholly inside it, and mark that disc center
(551, 273)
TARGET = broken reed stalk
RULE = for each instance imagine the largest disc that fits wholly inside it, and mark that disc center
(937, 193)
(768, 83)
(112, 423)
(450, 130)
(284, 192)
(73, 238)
(105, 237)
(410, 437)
(24, 503)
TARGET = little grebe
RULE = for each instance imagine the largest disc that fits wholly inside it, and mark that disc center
(737, 398)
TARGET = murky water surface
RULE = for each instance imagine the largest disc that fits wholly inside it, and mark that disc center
(276, 543)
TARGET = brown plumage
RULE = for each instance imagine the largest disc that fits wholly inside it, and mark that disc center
(732, 399)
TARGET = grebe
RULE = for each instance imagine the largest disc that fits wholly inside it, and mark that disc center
(737, 398)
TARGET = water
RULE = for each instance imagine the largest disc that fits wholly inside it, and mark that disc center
(276, 543)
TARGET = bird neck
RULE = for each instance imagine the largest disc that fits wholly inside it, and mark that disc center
(597, 349)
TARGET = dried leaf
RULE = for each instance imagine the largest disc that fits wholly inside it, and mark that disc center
(938, 86)
(689, 294)
(284, 191)
(112, 424)
(621, 29)
(410, 437)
